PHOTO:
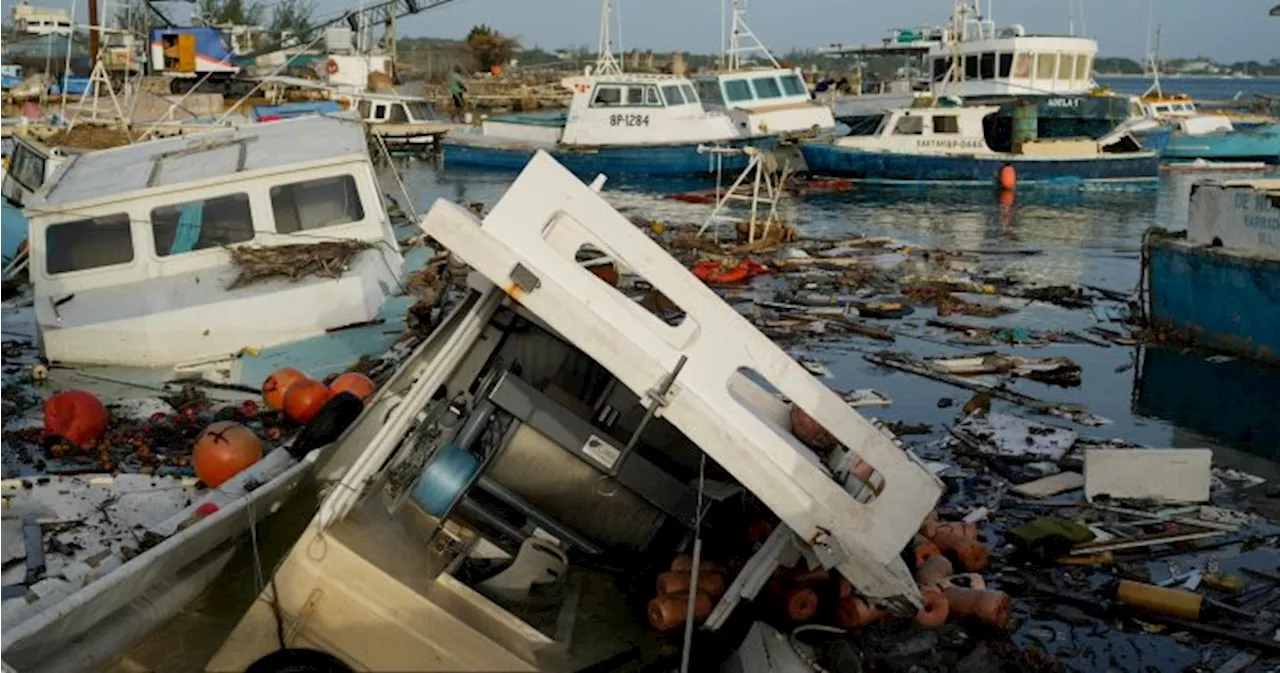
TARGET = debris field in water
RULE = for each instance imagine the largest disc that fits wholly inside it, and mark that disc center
(1018, 469)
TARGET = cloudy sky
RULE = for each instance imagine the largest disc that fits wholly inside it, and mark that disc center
(1225, 30)
(1228, 30)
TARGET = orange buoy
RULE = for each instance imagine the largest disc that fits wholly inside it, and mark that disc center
(355, 383)
(800, 604)
(853, 613)
(76, 416)
(684, 563)
(223, 450)
(304, 399)
(962, 528)
(929, 526)
(993, 608)
(276, 385)
(971, 554)
(934, 571)
(1008, 177)
(925, 550)
(668, 611)
(935, 609)
(678, 582)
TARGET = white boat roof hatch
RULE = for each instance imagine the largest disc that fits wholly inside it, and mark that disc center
(125, 171)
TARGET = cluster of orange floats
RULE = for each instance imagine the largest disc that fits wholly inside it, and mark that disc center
(224, 448)
(948, 595)
(947, 556)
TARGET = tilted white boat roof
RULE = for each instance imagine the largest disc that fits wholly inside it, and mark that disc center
(123, 172)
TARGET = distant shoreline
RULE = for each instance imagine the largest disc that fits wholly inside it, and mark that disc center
(1176, 76)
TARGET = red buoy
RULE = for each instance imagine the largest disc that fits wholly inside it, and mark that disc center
(76, 416)
(223, 450)
(276, 385)
(1008, 177)
(355, 383)
(304, 399)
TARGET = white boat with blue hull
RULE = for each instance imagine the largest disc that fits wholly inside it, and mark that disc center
(622, 123)
(968, 146)
(1219, 282)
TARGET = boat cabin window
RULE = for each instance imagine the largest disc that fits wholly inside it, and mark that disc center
(792, 85)
(635, 96)
(1006, 65)
(365, 108)
(1045, 64)
(1083, 64)
(399, 114)
(690, 96)
(88, 244)
(971, 66)
(607, 96)
(1067, 66)
(27, 167)
(946, 124)
(651, 97)
(737, 90)
(380, 112)
(987, 66)
(709, 91)
(196, 225)
(941, 67)
(672, 94)
(767, 87)
(420, 111)
(1023, 64)
(909, 126)
(325, 202)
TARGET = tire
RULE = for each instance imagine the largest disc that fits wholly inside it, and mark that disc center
(298, 660)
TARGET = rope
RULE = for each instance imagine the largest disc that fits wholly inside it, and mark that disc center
(693, 580)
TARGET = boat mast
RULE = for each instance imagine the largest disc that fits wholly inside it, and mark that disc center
(606, 64)
(739, 29)
(1153, 62)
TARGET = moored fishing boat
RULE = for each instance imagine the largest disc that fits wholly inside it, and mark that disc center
(967, 145)
(1219, 282)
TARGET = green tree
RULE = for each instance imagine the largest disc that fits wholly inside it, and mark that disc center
(293, 16)
(239, 12)
(490, 47)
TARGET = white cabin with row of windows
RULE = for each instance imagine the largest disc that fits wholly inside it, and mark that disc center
(1013, 66)
(128, 245)
(625, 109)
(762, 102)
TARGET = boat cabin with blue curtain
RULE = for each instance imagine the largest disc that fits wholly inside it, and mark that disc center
(129, 246)
(617, 123)
(765, 101)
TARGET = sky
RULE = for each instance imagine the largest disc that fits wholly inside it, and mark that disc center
(1225, 30)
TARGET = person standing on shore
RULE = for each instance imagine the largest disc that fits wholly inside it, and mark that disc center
(457, 88)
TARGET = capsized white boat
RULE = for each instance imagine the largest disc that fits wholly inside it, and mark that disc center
(131, 247)
(555, 427)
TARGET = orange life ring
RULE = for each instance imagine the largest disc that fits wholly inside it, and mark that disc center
(331, 66)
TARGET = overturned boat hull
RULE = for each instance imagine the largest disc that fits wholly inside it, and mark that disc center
(893, 167)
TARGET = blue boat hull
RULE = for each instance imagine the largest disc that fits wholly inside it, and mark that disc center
(1225, 299)
(679, 159)
(14, 230)
(828, 159)
(1261, 143)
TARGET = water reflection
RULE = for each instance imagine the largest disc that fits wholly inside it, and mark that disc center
(1231, 402)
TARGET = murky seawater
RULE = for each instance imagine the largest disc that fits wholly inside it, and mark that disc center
(1156, 397)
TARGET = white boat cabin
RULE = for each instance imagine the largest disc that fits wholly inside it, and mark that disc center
(29, 164)
(129, 260)
(1179, 111)
(393, 109)
(622, 109)
(765, 101)
(964, 131)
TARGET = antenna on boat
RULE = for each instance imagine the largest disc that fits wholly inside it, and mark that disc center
(739, 30)
(1153, 60)
(606, 64)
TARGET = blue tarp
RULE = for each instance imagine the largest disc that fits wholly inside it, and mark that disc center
(75, 86)
(291, 110)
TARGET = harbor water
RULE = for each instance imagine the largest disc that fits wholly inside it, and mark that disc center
(1042, 237)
